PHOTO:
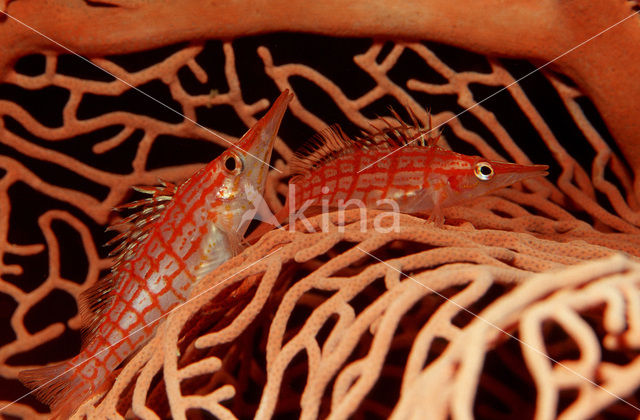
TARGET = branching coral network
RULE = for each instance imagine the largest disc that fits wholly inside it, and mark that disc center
(525, 302)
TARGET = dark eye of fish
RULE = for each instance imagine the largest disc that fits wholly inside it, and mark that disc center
(483, 171)
(233, 164)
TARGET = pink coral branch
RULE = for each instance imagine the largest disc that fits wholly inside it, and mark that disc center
(466, 254)
(540, 31)
(493, 245)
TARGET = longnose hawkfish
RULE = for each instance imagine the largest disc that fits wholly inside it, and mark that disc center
(397, 167)
(178, 235)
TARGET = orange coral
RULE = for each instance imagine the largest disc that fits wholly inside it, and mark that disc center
(338, 332)
(363, 310)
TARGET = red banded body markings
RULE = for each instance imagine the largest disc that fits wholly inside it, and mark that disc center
(393, 162)
(167, 244)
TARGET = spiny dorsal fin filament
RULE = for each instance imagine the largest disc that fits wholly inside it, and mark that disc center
(333, 142)
(96, 300)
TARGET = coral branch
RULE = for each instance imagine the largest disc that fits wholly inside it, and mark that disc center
(347, 362)
(318, 327)
(605, 68)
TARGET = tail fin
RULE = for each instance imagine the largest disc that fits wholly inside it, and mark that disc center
(59, 386)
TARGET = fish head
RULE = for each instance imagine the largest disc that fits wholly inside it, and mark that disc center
(240, 173)
(482, 176)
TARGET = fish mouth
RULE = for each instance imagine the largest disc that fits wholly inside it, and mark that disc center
(258, 142)
(522, 171)
(510, 173)
(533, 170)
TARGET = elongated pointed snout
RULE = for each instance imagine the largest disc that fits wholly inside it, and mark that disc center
(528, 170)
(256, 145)
(510, 173)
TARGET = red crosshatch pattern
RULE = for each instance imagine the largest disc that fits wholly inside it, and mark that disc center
(152, 282)
(150, 279)
(174, 237)
(417, 178)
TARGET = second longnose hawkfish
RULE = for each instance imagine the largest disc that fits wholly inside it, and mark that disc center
(397, 167)
(178, 235)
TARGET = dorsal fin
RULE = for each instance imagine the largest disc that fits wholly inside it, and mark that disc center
(332, 142)
(96, 300)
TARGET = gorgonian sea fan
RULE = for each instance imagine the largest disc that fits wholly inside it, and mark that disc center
(74, 140)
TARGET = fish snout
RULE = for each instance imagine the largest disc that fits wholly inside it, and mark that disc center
(257, 144)
(506, 174)
(523, 171)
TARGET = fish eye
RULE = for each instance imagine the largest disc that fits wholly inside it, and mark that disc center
(483, 171)
(233, 164)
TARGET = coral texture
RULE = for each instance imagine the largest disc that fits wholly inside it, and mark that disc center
(348, 321)
(368, 329)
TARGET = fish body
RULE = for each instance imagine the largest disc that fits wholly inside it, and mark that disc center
(418, 179)
(398, 167)
(178, 234)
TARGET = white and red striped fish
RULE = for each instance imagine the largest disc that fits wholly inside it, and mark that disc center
(398, 163)
(177, 236)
